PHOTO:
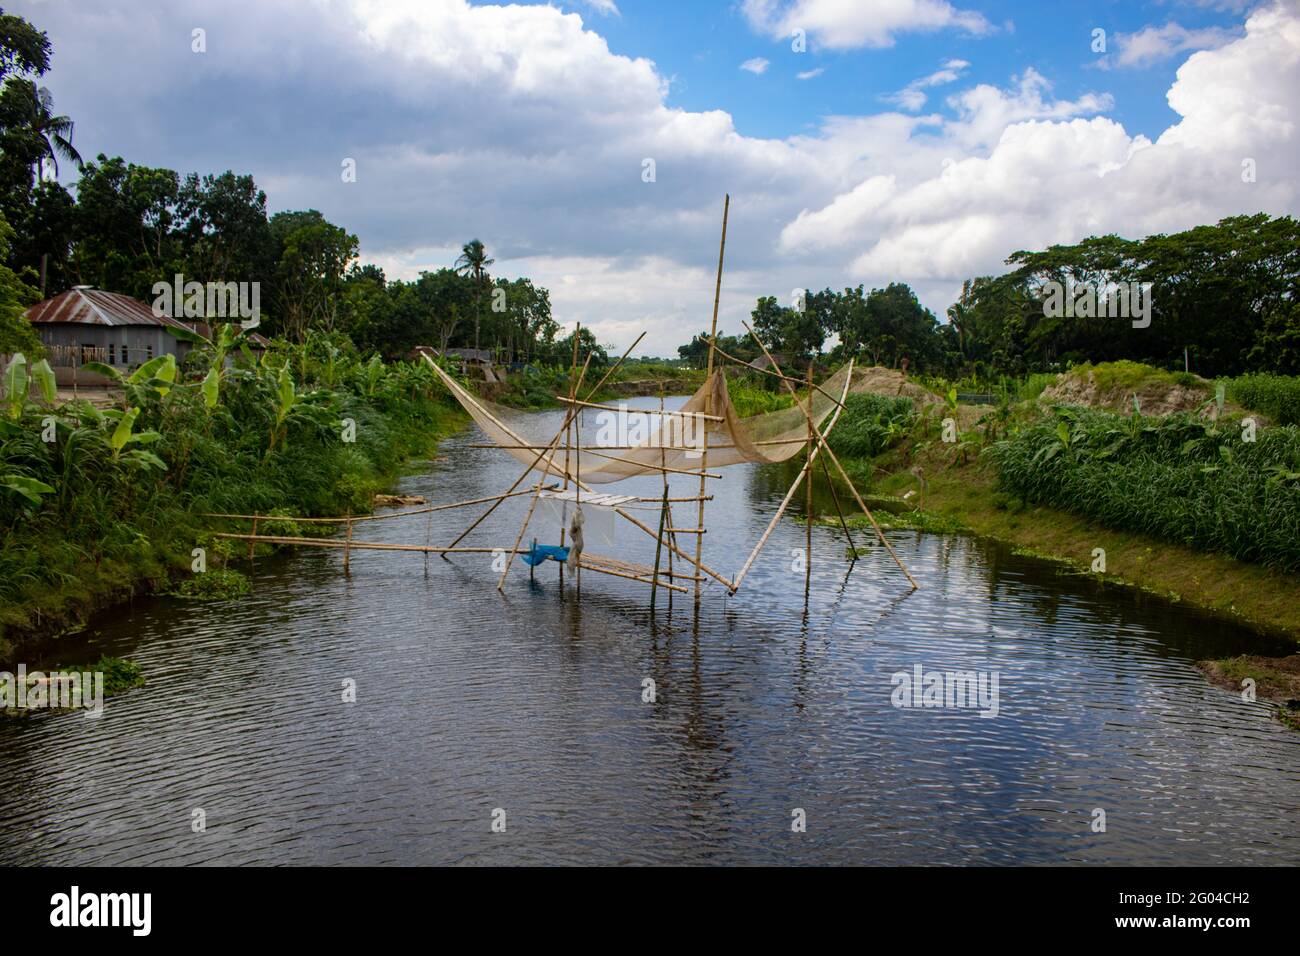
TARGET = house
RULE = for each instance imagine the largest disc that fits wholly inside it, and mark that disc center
(86, 324)
(763, 362)
(478, 359)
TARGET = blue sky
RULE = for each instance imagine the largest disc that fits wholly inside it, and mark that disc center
(700, 46)
(938, 137)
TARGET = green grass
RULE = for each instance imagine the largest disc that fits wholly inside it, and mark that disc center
(1128, 376)
(116, 523)
(1277, 396)
(1176, 479)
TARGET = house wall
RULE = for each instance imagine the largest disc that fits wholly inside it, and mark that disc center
(68, 339)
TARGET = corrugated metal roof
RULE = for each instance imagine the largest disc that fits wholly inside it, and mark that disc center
(87, 306)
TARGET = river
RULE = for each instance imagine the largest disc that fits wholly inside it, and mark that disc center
(765, 714)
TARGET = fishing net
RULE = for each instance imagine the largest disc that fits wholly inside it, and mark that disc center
(642, 441)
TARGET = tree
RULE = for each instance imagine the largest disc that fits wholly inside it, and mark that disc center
(23, 48)
(44, 236)
(313, 258)
(223, 228)
(16, 333)
(124, 239)
(473, 262)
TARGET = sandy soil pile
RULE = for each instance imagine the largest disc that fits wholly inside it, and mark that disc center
(1155, 398)
(888, 381)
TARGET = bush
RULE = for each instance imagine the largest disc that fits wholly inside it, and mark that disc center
(870, 424)
(1277, 396)
(1178, 479)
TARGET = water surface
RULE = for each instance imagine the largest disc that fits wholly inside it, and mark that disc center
(470, 700)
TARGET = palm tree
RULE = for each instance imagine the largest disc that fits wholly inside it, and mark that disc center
(473, 262)
(53, 134)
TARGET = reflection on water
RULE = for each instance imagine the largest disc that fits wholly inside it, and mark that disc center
(469, 699)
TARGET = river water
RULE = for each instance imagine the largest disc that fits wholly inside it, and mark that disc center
(529, 706)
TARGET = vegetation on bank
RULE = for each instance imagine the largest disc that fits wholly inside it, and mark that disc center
(1175, 514)
(1277, 396)
(1177, 479)
(98, 504)
(120, 675)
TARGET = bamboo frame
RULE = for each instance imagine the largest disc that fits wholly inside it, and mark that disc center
(708, 396)
(569, 434)
(639, 411)
(821, 443)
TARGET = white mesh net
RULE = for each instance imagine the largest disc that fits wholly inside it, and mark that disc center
(673, 440)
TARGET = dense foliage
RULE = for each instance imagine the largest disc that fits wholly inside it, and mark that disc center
(1277, 396)
(1180, 478)
(96, 500)
(870, 424)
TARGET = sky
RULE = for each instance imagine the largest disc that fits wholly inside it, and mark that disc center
(861, 141)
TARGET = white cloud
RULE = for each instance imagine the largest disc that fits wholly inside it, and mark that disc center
(810, 74)
(911, 98)
(1050, 176)
(1152, 44)
(845, 24)
(756, 65)
(604, 7)
(518, 125)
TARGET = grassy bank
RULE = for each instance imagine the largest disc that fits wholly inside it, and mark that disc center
(97, 506)
(966, 498)
(1184, 507)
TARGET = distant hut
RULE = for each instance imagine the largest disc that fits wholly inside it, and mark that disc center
(763, 362)
(479, 360)
(86, 324)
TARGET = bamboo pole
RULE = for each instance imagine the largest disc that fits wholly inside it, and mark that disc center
(771, 526)
(540, 454)
(347, 549)
(659, 546)
(639, 411)
(251, 544)
(808, 499)
(391, 514)
(354, 545)
(577, 497)
(838, 510)
(573, 392)
(708, 395)
(822, 443)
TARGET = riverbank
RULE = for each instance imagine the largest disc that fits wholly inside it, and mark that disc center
(113, 504)
(953, 497)
(964, 498)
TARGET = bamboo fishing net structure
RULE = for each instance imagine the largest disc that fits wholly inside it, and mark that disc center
(705, 433)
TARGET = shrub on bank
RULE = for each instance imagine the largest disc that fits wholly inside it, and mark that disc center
(1277, 396)
(1178, 479)
(96, 503)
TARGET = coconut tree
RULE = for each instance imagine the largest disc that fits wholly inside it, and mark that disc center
(28, 112)
(473, 262)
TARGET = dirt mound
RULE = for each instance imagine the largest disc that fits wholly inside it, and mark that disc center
(887, 381)
(1156, 396)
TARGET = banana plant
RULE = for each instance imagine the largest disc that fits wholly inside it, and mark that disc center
(286, 396)
(124, 435)
(16, 386)
(29, 488)
(154, 377)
